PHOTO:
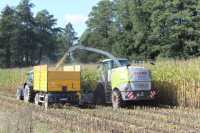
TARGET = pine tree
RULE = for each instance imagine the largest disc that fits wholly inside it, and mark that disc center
(7, 31)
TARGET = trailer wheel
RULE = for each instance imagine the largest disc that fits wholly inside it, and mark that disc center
(27, 94)
(117, 101)
(46, 102)
(19, 94)
(36, 100)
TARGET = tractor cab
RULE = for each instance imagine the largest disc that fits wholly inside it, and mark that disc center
(29, 77)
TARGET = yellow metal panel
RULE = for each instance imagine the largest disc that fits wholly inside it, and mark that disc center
(54, 81)
(40, 78)
(36, 78)
(43, 78)
(119, 77)
(60, 75)
(59, 79)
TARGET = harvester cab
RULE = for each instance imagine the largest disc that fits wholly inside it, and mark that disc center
(106, 67)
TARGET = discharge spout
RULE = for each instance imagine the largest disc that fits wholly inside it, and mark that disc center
(81, 47)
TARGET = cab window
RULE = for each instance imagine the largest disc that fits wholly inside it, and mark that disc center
(30, 77)
(122, 62)
(107, 65)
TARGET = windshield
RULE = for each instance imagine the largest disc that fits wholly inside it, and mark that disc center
(30, 76)
(124, 62)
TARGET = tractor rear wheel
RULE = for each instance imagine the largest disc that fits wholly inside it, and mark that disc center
(117, 101)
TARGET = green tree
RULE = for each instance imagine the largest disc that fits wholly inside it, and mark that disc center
(26, 45)
(66, 39)
(132, 28)
(99, 25)
(69, 35)
(46, 35)
(98, 33)
(176, 26)
(7, 26)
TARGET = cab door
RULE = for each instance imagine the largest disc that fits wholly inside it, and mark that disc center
(107, 67)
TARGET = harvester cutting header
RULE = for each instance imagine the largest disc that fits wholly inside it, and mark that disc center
(119, 83)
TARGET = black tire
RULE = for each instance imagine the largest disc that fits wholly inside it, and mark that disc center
(27, 94)
(117, 101)
(19, 94)
(99, 95)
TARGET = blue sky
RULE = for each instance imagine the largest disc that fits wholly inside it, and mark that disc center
(74, 11)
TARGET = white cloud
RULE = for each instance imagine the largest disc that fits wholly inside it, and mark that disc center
(75, 19)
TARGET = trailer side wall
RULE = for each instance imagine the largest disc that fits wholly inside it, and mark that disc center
(40, 78)
(61, 80)
(56, 81)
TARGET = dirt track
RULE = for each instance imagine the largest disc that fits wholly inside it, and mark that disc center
(104, 119)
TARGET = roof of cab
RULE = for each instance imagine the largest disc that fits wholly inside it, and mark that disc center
(112, 59)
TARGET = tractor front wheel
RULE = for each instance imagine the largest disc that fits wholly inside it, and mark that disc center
(117, 101)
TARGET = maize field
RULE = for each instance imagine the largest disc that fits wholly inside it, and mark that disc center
(19, 117)
(177, 82)
(12, 78)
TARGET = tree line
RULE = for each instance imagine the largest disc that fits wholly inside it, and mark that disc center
(135, 29)
(27, 40)
(145, 29)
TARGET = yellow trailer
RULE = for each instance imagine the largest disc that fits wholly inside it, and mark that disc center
(47, 85)
(49, 80)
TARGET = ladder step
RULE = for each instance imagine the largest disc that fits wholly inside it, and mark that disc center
(41, 101)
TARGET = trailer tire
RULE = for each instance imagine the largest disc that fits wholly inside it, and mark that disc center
(117, 101)
(27, 93)
(19, 94)
(99, 95)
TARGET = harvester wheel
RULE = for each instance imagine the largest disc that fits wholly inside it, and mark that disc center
(19, 94)
(99, 95)
(46, 102)
(27, 94)
(36, 99)
(117, 101)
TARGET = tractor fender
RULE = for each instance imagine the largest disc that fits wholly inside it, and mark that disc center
(24, 85)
